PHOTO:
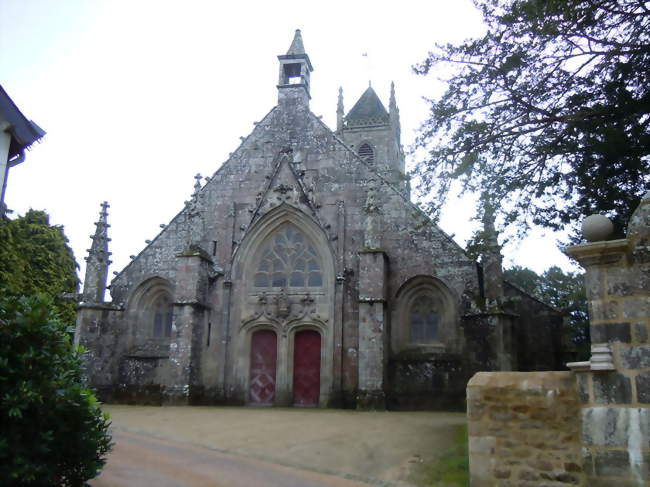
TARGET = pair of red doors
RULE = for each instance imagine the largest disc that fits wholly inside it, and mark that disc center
(306, 367)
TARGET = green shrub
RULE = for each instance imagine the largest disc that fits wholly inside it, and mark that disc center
(52, 429)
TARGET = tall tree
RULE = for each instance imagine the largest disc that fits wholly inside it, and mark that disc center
(549, 111)
(564, 291)
(35, 259)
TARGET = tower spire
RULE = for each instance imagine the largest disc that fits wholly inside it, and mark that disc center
(295, 69)
(339, 111)
(97, 261)
(296, 47)
(491, 256)
(394, 113)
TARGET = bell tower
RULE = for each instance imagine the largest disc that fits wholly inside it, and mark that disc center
(374, 133)
(295, 70)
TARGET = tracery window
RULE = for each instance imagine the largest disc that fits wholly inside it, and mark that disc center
(366, 153)
(161, 310)
(289, 260)
(424, 319)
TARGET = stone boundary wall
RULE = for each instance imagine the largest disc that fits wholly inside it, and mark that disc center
(524, 429)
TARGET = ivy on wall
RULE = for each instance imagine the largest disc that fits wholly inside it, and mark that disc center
(35, 260)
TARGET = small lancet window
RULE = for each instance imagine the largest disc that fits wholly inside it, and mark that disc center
(289, 260)
(366, 153)
(424, 320)
(162, 317)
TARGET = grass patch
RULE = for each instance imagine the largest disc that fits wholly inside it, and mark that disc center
(451, 469)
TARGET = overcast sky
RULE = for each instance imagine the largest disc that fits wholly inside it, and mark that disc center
(138, 96)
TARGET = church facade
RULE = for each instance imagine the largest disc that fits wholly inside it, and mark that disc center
(301, 274)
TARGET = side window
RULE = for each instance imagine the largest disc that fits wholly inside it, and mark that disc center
(424, 319)
(162, 313)
(425, 315)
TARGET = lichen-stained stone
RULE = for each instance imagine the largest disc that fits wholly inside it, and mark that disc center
(635, 357)
(616, 427)
(612, 388)
(643, 387)
(611, 332)
(307, 229)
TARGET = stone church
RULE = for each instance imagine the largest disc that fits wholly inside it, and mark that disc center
(301, 274)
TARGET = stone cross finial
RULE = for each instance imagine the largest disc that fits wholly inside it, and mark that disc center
(192, 204)
(197, 184)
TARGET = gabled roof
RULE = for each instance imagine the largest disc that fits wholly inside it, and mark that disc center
(23, 132)
(367, 111)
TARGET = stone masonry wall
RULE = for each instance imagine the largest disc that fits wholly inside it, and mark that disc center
(614, 385)
(524, 429)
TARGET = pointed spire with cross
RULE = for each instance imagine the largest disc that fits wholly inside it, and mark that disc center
(98, 260)
(339, 111)
(393, 112)
(195, 221)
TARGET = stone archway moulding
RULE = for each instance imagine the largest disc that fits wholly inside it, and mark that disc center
(417, 286)
(253, 310)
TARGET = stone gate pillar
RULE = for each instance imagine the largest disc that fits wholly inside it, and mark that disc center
(190, 307)
(614, 386)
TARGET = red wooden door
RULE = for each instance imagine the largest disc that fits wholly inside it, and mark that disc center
(306, 368)
(264, 352)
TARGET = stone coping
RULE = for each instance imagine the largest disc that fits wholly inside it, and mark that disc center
(519, 380)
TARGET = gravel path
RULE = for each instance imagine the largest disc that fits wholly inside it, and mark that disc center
(380, 448)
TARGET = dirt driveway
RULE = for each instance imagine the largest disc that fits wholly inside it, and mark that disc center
(382, 448)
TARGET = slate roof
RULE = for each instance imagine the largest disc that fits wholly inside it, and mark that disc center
(368, 110)
(24, 132)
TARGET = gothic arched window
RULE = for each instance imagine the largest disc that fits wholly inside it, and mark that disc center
(288, 260)
(366, 153)
(425, 315)
(424, 319)
(162, 314)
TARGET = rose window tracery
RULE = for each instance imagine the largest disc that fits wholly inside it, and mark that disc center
(288, 260)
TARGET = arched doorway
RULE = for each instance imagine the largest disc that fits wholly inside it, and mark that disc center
(263, 362)
(306, 368)
(283, 280)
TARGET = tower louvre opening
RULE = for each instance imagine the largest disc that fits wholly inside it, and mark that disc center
(366, 153)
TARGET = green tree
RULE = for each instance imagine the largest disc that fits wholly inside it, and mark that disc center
(564, 291)
(549, 111)
(53, 432)
(35, 260)
(525, 279)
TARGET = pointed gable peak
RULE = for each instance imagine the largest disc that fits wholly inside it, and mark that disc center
(296, 46)
(367, 110)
